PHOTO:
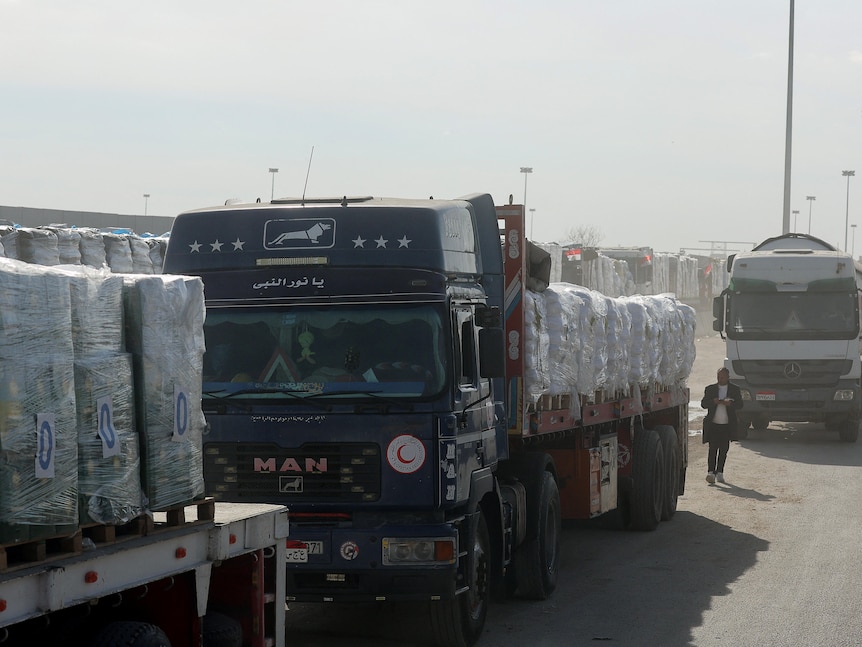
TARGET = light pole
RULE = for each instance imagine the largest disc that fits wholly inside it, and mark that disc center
(848, 175)
(146, 199)
(532, 215)
(853, 242)
(795, 213)
(526, 170)
(811, 200)
(272, 192)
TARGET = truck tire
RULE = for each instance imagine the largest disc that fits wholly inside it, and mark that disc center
(760, 423)
(648, 476)
(672, 466)
(848, 432)
(460, 622)
(220, 630)
(537, 560)
(130, 634)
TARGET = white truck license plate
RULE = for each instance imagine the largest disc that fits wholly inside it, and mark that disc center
(766, 396)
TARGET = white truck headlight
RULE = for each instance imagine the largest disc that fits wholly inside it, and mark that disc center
(844, 394)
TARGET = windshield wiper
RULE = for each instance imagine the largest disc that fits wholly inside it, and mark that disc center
(290, 392)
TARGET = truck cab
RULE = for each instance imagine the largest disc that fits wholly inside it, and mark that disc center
(790, 316)
(352, 350)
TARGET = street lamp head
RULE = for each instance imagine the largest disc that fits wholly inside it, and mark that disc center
(146, 195)
(848, 173)
(810, 197)
(273, 170)
(526, 169)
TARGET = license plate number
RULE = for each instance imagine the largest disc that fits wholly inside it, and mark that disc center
(314, 547)
(765, 396)
(297, 555)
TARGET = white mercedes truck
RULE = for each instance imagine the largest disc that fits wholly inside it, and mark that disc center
(790, 318)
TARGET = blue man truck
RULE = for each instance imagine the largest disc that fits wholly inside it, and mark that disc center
(367, 366)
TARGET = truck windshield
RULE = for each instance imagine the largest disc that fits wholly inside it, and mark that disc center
(797, 315)
(335, 351)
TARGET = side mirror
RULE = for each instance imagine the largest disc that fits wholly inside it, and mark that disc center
(718, 314)
(492, 352)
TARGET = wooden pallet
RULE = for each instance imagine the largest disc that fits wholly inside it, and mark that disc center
(176, 515)
(28, 553)
(25, 553)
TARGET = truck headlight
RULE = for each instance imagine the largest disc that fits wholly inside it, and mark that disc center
(419, 550)
(844, 394)
(746, 395)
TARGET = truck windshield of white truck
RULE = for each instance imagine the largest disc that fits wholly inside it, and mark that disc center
(793, 315)
(337, 351)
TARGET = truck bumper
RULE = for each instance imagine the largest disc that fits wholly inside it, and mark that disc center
(348, 565)
(800, 405)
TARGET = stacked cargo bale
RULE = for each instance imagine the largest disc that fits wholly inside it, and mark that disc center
(38, 440)
(92, 248)
(164, 333)
(109, 472)
(582, 343)
(38, 246)
(123, 253)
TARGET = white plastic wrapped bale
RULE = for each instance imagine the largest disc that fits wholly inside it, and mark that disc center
(9, 241)
(536, 346)
(686, 350)
(670, 338)
(38, 437)
(593, 359)
(92, 248)
(68, 244)
(619, 345)
(118, 253)
(141, 261)
(661, 273)
(109, 467)
(97, 310)
(564, 338)
(652, 338)
(639, 370)
(555, 251)
(157, 247)
(38, 246)
(164, 333)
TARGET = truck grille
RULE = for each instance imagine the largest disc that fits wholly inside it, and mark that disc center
(792, 373)
(318, 472)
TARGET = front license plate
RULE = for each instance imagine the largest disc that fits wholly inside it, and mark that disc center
(297, 555)
(765, 396)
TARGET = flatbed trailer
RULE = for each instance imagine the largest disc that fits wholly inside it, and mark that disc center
(160, 584)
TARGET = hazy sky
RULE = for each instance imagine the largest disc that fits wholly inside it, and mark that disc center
(657, 122)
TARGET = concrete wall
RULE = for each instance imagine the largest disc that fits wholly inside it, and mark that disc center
(29, 217)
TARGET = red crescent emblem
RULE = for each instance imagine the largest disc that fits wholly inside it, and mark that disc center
(401, 457)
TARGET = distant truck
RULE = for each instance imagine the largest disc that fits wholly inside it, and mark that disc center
(640, 262)
(790, 316)
(401, 374)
